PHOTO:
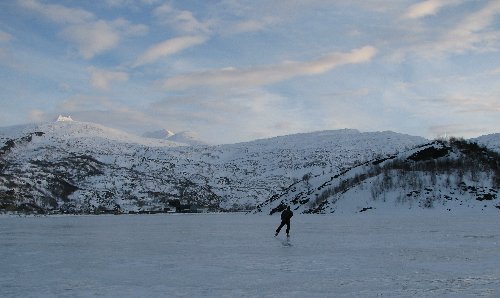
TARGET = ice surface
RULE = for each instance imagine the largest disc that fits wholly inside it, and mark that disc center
(233, 255)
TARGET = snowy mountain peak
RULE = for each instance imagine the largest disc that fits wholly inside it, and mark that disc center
(62, 118)
(185, 137)
(94, 134)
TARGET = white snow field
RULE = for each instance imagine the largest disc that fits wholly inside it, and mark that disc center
(417, 254)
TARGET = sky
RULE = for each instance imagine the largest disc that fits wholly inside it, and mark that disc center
(237, 70)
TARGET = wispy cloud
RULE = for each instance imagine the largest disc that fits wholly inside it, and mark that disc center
(101, 79)
(196, 30)
(470, 34)
(250, 25)
(91, 36)
(232, 115)
(473, 104)
(130, 3)
(103, 110)
(5, 37)
(260, 76)
(58, 13)
(167, 48)
(494, 72)
(456, 129)
(127, 28)
(182, 20)
(36, 115)
(474, 32)
(429, 7)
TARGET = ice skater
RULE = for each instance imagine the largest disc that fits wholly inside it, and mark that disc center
(286, 215)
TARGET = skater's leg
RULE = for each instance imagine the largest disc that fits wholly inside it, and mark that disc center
(279, 228)
(287, 227)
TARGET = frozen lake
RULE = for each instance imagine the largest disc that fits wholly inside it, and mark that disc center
(232, 255)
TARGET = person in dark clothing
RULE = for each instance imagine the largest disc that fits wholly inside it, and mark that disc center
(286, 215)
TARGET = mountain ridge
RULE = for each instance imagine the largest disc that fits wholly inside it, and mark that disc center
(76, 167)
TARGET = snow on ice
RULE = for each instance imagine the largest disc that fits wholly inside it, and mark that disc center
(413, 254)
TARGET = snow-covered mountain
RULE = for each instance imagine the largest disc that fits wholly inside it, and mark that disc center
(447, 175)
(70, 166)
(185, 137)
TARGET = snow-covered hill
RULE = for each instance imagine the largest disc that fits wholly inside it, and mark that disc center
(70, 166)
(491, 141)
(447, 175)
(91, 133)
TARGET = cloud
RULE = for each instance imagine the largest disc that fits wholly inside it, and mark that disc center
(167, 48)
(90, 35)
(5, 37)
(107, 112)
(182, 20)
(426, 8)
(128, 28)
(92, 38)
(36, 115)
(130, 3)
(58, 13)
(474, 32)
(494, 72)
(251, 25)
(260, 76)
(452, 130)
(472, 104)
(467, 35)
(248, 26)
(101, 79)
(231, 115)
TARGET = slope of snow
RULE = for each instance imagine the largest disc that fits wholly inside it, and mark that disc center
(115, 170)
(403, 180)
(77, 130)
(263, 167)
(61, 131)
(491, 141)
(82, 167)
(423, 254)
(443, 199)
(17, 131)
